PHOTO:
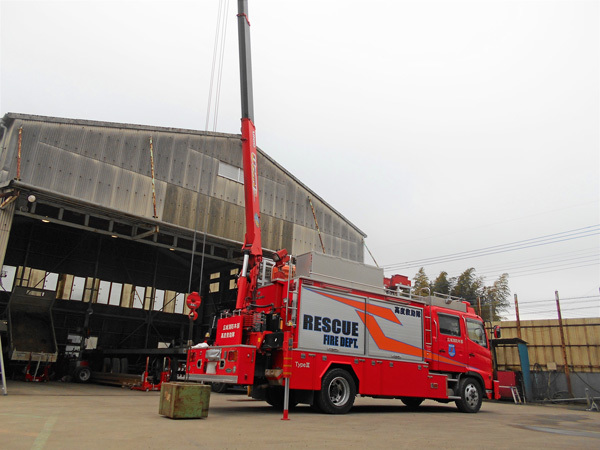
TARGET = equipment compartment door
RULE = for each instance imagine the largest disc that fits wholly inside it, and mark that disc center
(394, 330)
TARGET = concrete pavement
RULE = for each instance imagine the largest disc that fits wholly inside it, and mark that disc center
(59, 415)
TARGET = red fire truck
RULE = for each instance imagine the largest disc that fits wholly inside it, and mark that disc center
(333, 330)
(320, 330)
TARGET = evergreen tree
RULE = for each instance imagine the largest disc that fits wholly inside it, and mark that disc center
(441, 285)
(495, 299)
(468, 286)
(420, 282)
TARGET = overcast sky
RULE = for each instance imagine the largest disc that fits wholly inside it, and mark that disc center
(435, 127)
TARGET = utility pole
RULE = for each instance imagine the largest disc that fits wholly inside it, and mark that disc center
(562, 343)
(518, 318)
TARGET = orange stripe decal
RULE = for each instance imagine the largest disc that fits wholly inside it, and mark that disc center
(379, 311)
(386, 343)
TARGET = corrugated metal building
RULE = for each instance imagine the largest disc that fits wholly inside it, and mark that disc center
(82, 211)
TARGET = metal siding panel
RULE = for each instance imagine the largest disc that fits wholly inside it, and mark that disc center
(273, 228)
(178, 160)
(267, 196)
(6, 220)
(210, 168)
(140, 202)
(161, 190)
(290, 201)
(229, 190)
(279, 206)
(104, 185)
(163, 145)
(93, 140)
(193, 170)
(300, 216)
(109, 165)
(287, 235)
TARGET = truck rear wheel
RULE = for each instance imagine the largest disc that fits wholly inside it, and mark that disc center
(275, 396)
(470, 394)
(219, 387)
(412, 402)
(337, 393)
(82, 374)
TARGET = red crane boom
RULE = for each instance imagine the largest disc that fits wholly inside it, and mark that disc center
(252, 248)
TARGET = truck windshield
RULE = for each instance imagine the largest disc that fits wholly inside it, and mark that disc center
(476, 332)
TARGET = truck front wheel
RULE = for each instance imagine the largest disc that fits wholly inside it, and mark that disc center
(412, 402)
(470, 395)
(337, 393)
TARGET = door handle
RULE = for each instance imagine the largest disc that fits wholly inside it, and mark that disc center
(442, 350)
(472, 355)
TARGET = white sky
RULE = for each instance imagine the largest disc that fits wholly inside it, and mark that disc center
(435, 127)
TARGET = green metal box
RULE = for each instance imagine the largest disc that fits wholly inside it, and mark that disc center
(184, 400)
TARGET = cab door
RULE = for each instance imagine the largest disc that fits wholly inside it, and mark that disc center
(480, 356)
(450, 347)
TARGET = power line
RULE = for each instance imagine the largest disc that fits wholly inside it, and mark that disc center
(512, 270)
(562, 299)
(506, 266)
(512, 246)
(524, 274)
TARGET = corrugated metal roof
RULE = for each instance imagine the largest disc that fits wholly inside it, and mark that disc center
(108, 164)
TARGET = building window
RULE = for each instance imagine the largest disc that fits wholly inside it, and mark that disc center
(115, 294)
(159, 299)
(7, 278)
(179, 302)
(139, 297)
(231, 172)
(78, 288)
(214, 285)
(233, 281)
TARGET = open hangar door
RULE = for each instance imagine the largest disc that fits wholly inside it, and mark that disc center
(120, 284)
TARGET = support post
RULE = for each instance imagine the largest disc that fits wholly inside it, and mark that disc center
(20, 141)
(525, 371)
(563, 345)
(518, 318)
(287, 371)
(152, 173)
(2, 369)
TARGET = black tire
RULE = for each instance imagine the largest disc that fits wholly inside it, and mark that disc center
(219, 387)
(337, 393)
(470, 394)
(83, 374)
(412, 402)
(275, 396)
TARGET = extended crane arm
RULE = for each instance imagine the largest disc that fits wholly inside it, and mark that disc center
(252, 247)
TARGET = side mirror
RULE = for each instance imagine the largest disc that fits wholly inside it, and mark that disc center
(497, 332)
